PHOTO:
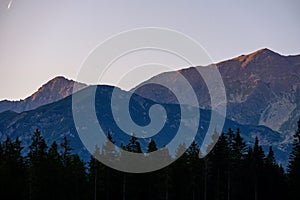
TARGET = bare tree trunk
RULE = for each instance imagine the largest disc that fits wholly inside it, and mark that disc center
(205, 178)
(194, 186)
(255, 191)
(96, 174)
(193, 193)
(167, 188)
(30, 189)
(124, 187)
(218, 184)
(108, 183)
(30, 184)
(228, 185)
(167, 194)
(255, 187)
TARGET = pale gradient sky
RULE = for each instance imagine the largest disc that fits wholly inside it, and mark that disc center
(41, 39)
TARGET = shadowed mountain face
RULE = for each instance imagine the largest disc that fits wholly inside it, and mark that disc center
(262, 88)
(56, 121)
(54, 90)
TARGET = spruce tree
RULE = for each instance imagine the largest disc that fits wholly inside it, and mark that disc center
(66, 156)
(134, 145)
(179, 173)
(78, 179)
(194, 170)
(219, 157)
(12, 171)
(273, 186)
(152, 182)
(38, 147)
(151, 146)
(109, 152)
(66, 151)
(257, 169)
(55, 167)
(294, 166)
(239, 147)
(110, 177)
(37, 158)
(132, 181)
(237, 163)
(270, 159)
(96, 176)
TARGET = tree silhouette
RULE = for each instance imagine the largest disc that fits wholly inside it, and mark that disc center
(294, 166)
(12, 170)
(231, 171)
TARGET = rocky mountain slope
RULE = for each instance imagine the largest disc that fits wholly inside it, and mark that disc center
(55, 121)
(54, 90)
(263, 88)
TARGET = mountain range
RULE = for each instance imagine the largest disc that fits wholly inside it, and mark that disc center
(262, 88)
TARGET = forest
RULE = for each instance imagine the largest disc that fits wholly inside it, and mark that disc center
(231, 171)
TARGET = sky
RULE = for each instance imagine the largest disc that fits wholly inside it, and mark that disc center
(41, 39)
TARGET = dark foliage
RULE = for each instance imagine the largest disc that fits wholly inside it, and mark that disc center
(294, 166)
(231, 171)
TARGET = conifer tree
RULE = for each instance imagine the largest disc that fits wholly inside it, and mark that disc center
(151, 146)
(194, 169)
(12, 170)
(110, 177)
(270, 159)
(78, 179)
(236, 171)
(219, 157)
(38, 148)
(152, 181)
(294, 166)
(179, 173)
(95, 176)
(108, 150)
(66, 151)
(38, 167)
(256, 168)
(66, 171)
(239, 147)
(134, 145)
(55, 167)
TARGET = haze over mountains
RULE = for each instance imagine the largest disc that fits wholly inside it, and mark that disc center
(263, 88)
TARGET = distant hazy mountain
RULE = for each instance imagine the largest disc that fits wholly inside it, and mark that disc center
(55, 121)
(263, 88)
(54, 90)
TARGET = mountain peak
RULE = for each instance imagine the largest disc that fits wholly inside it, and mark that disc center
(264, 51)
(58, 79)
(258, 55)
(57, 88)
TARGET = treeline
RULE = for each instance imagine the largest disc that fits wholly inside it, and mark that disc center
(231, 171)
